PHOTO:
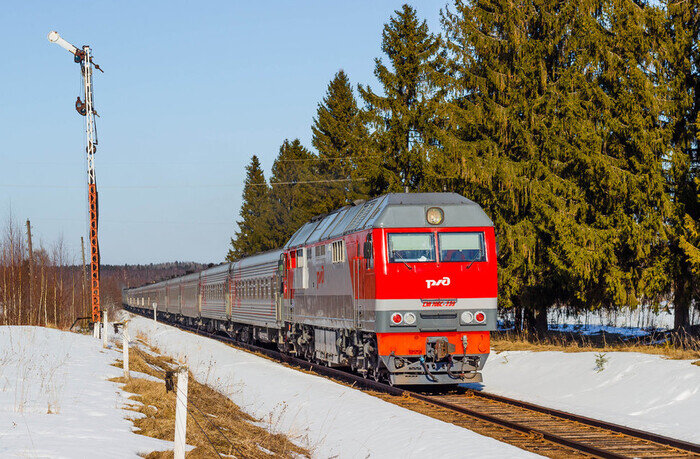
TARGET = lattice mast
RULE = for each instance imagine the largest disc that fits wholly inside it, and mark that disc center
(87, 109)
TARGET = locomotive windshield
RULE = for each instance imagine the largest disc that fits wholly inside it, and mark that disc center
(462, 247)
(413, 247)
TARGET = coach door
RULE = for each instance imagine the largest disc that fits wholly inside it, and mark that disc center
(283, 311)
(356, 301)
(361, 264)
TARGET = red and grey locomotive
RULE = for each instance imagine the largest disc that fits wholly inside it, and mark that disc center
(401, 288)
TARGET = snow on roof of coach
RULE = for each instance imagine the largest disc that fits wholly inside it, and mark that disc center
(394, 210)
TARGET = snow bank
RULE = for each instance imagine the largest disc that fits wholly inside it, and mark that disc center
(640, 321)
(329, 418)
(643, 391)
(55, 400)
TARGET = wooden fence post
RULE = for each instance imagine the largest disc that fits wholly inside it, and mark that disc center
(181, 413)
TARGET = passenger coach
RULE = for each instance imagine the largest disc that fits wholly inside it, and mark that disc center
(402, 288)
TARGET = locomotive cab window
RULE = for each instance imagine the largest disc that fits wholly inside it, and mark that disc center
(411, 247)
(462, 247)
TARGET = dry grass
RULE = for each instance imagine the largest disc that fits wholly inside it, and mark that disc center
(158, 409)
(673, 346)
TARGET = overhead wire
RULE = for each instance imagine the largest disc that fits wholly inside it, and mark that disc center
(139, 187)
(301, 182)
(208, 162)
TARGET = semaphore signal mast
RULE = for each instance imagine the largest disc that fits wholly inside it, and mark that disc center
(86, 108)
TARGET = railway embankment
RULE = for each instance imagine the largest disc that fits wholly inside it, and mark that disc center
(647, 392)
(328, 418)
(216, 426)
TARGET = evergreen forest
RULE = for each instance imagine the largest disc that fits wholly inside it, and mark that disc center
(574, 124)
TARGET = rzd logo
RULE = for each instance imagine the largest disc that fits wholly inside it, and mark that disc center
(434, 283)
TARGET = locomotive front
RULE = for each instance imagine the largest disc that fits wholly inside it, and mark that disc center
(436, 289)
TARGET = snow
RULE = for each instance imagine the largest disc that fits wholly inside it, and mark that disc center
(637, 322)
(328, 418)
(643, 391)
(56, 400)
(591, 329)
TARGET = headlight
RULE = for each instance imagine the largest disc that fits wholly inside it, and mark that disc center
(480, 317)
(396, 318)
(409, 318)
(467, 317)
(434, 216)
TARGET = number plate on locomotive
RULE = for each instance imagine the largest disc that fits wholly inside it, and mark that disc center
(439, 303)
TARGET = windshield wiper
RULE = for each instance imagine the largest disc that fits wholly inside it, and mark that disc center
(481, 257)
(396, 254)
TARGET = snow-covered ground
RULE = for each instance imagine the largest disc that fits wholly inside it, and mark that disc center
(56, 400)
(637, 322)
(329, 418)
(643, 391)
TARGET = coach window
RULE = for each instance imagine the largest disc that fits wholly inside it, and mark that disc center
(411, 247)
(462, 247)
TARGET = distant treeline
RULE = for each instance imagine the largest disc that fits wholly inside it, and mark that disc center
(574, 124)
(50, 288)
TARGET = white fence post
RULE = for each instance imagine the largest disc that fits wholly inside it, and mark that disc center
(125, 348)
(181, 413)
(155, 310)
(96, 330)
(104, 328)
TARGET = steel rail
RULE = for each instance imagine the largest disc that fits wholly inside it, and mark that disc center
(361, 382)
(629, 431)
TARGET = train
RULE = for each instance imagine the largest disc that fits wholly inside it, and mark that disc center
(401, 288)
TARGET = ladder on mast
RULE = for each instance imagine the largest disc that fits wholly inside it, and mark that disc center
(84, 58)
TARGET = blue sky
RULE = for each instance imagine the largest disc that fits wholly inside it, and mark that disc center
(190, 92)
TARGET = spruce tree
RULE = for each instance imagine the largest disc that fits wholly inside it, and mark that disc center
(340, 137)
(681, 61)
(403, 117)
(554, 130)
(621, 174)
(502, 139)
(295, 196)
(253, 233)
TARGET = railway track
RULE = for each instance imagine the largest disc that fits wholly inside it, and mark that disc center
(535, 428)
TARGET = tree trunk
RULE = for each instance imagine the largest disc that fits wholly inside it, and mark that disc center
(681, 299)
(536, 320)
(541, 321)
(518, 317)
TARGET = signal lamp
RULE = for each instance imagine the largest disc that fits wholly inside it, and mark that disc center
(480, 317)
(396, 318)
